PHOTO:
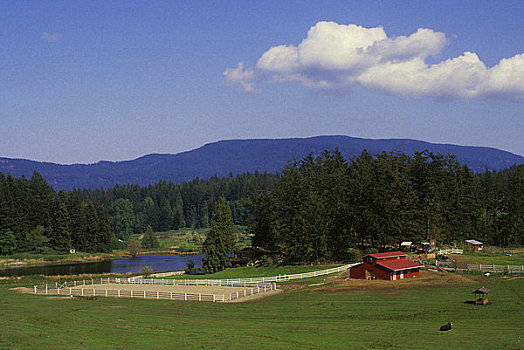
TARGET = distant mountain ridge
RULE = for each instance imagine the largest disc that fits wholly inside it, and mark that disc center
(237, 156)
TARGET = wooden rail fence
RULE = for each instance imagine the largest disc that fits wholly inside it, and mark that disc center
(93, 288)
(252, 285)
(451, 251)
(481, 267)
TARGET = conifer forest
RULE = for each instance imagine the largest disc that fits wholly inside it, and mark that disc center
(317, 208)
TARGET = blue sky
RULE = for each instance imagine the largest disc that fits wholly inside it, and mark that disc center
(83, 81)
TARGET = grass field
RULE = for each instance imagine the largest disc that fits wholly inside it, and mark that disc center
(490, 258)
(338, 315)
(252, 271)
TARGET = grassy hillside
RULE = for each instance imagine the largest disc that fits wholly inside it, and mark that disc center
(339, 315)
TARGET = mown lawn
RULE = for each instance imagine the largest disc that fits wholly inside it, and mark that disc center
(294, 319)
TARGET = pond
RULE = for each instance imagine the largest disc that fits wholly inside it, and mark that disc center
(156, 262)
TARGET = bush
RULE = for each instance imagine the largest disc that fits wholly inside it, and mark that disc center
(186, 247)
(134, 247)
(353, 255)
(266, 260)
(147, 271)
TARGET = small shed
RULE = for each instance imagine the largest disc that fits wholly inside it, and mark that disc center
(406, 245)
(481, 296)
(475, 245)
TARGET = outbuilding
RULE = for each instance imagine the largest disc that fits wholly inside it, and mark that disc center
(475, 245)
(385, 266)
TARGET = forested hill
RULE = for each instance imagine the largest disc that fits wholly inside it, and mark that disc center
(238, 156)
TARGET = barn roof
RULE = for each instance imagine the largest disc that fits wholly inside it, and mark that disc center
(397, 265)
(387, 255)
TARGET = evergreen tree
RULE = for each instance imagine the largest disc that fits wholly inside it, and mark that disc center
(263, 221)
(149, 240)
(7, 243)
(122, 218)
(36, 241)
(221, 238)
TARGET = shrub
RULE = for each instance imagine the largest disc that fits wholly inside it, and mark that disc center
(147, 271)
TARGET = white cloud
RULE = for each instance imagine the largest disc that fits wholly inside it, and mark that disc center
(240, 76)
(334, 55)
(51, 37)
(507, 77)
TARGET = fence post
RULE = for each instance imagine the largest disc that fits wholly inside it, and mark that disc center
(82, 291)
(144, 294)
(119, 293)
(35, 289)
(199, 297)
(171, 295)
(70, 292)
(131, 293)
(158, 295)
(185, 296)
(106, 292)
(94, 292)
(46, 288)
(213, 297)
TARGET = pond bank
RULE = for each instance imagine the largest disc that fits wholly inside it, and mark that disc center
(77, 258)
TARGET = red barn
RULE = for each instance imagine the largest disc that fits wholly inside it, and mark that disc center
(385, 266)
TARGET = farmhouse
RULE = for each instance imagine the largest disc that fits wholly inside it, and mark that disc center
(385, 266)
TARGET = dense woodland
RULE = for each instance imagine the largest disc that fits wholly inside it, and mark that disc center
(316, 209)
(324, 206)
(166, 206)
(34, 218)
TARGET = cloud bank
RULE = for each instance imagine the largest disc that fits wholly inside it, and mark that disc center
(337, 56)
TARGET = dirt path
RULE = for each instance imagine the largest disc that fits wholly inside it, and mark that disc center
(219, 290)
(426, 279)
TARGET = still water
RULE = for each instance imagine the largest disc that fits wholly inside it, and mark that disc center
(156, 262)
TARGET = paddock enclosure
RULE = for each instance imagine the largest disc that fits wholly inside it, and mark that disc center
(198, 290)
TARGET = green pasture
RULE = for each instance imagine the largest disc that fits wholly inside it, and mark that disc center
(490, 258)
(188, 238)
(304, 318)
(253, 271)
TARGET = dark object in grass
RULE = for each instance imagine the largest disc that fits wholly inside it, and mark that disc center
(446, 327)
(91, 297)
(196, 272)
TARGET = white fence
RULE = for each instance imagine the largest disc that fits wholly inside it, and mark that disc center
(492, 268)
(283, 278)
(252, 285)
(451, 251)
(94, 287)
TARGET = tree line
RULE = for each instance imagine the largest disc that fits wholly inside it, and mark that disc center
(34, 218)
(317, 208)
(167, 206)
(325, 205)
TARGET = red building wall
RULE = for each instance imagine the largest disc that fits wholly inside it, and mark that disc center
(360, 272)
(379, 272)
